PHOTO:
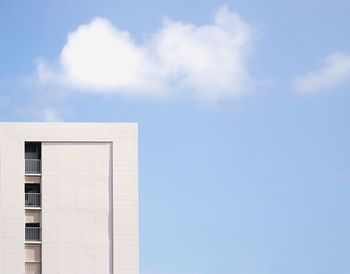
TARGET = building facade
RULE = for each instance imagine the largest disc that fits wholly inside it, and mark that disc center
(69, 198)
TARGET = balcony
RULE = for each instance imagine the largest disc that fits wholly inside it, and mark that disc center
(32, 166)
(33, 234)
(33, 268)
(32, 199)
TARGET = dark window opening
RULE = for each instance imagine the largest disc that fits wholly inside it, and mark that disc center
(32, 150)
(32, 188)
(33, 225)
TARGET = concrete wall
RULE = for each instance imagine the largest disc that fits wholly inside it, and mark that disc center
(11, 205)
(122, 138)
(76, 205)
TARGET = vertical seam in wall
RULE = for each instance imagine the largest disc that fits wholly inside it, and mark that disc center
(0, 181)
(111, 197)
(41, 206)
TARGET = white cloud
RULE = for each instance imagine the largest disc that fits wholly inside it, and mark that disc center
(334, 73)
(208, 62)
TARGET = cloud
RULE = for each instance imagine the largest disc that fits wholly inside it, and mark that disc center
(334, 73)
(208, 62)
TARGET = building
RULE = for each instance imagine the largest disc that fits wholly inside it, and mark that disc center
(68, 198)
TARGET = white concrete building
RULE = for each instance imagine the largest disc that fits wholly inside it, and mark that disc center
(68, 198)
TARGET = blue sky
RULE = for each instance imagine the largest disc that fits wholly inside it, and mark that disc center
(243, 111)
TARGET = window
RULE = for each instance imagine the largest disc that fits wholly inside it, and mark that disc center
(32, 150)
(32, 188)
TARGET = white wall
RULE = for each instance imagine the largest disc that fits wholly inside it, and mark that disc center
(124, 161)
(76, 224)
(11, 206)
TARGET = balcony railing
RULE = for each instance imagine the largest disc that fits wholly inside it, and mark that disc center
(33, 199)
(33, 234)
(33, 268)
(33, 166)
